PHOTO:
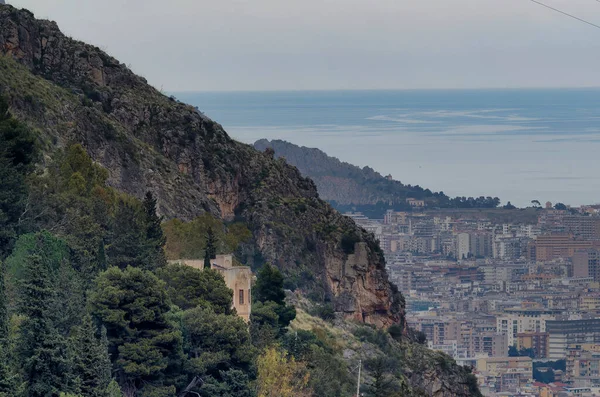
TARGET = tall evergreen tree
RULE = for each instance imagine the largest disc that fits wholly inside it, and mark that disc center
(128, 237)
(92, 363)
(269, 285)
(271, 315)
(154, 234)
(47, 367)
(211, 248)
(101, 259)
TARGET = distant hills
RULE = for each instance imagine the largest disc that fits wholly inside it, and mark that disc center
(348, 187)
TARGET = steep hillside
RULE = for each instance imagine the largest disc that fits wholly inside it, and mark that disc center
(345, 183)
(72, 92)
(349, 187)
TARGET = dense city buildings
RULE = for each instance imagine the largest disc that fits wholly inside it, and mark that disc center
(504, 294)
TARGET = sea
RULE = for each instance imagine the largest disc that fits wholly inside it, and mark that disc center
(518, 145)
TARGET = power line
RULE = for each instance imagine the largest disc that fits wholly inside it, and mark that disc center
(569, 15)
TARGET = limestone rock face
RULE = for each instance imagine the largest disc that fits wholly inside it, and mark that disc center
(75, 93)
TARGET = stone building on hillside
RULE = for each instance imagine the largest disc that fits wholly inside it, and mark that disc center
(237, 278)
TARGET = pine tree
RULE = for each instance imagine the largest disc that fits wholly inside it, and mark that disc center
(145, 347)
(46, 364)
(269, 285)
(91, 361)
(211, 248)
(154, 234)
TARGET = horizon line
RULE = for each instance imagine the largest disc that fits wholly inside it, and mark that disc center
(385, 89)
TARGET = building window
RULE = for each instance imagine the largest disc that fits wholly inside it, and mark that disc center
(241, 297)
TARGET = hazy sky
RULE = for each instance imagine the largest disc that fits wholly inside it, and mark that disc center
(339, 44)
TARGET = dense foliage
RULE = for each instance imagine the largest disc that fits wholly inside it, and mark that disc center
(90, 306)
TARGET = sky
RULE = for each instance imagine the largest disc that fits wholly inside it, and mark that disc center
(236, 45)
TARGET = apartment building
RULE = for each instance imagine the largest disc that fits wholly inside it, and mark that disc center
(555, 246)
(513, 325)
(563, 333)
(537, 341)
(586, 263)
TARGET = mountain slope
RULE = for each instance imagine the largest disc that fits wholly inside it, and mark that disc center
(345, 183)
(72, 92)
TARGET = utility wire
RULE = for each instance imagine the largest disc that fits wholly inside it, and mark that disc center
(564, 13)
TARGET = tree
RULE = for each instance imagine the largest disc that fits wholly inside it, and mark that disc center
(91, 362)
(269, 285)
(55, 256)
(270, 316)
(73, 200)
(233, 383)
(154, 234)
(188, 288)
(509, 206)
(7, 378)
(211, 248)
(382, 371)
(216, 342)
(560, 206)
(47, 366)
(280, 376)
(536, 203)
(18, 152)
(145, 347)
(127, 245)
(264, 324)
(3, 306)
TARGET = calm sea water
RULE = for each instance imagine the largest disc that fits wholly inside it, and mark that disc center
(519, 145)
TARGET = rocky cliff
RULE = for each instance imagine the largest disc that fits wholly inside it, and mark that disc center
(71, 92)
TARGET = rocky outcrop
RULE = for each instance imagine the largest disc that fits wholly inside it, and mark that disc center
(72, 92)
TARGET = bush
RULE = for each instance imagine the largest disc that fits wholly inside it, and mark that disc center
(349, 240)
(325, 312)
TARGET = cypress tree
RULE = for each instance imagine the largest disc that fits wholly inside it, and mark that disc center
(211, 247)
(154, 233)
(102, 264)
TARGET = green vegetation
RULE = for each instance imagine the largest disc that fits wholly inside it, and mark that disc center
(188, 240)
(547, 374)
(91, 307)
(366, 185)
(188, 288)
(17, 153)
